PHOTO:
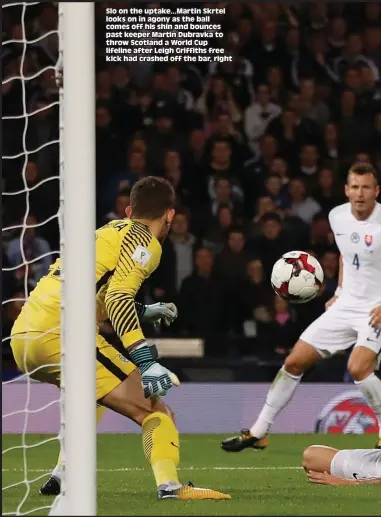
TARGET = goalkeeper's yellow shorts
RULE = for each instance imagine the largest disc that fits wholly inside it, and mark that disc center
(38, 354)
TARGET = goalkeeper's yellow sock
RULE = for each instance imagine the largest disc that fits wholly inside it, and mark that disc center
(161, 447)
(57, 471)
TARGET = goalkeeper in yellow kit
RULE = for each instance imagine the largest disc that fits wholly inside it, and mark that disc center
(128, 380)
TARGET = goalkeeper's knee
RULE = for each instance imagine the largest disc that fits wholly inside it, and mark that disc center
(167, 410)
(157, 407)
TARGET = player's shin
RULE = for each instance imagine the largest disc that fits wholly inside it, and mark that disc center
(371, 389)
(161, 448)
(279, 395)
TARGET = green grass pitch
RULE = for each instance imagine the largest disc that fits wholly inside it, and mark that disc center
(268, 482)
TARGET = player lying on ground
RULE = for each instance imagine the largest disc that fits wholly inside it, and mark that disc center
(329, 466)
(128, 380)
(357, 229)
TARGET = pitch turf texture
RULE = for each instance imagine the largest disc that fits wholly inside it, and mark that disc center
(268, 482)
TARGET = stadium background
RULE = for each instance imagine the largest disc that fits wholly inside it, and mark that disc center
(256, 149)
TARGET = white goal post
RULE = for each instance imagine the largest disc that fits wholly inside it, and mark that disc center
(77, 177)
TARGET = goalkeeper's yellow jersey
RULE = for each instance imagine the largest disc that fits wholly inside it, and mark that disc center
(126, 254)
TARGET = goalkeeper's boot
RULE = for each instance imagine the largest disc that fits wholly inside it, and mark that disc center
(189, 492)
(378, 444)
(51, 487)
(244, 440)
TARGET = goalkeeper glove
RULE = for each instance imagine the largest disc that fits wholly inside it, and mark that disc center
(160, 311)
(156, 379)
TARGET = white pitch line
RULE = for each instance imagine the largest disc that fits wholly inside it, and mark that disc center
(134, 469)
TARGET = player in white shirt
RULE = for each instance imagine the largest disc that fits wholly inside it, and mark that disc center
(347, 320)
(329, 466)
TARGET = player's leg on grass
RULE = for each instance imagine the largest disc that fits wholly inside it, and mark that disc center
(137, 408)
(332, 332)
(302, 357)
(362, 364)
(119, 387)
(160, 438)
(318, 458)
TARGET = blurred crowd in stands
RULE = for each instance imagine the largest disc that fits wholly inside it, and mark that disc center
(256, 148)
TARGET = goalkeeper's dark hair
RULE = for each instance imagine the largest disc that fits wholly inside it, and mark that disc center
(151, 197)
(362, 168)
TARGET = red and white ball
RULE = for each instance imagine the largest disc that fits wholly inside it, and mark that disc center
(297, 277)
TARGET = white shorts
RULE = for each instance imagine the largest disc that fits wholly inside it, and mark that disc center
(357, 464)
(339, 328)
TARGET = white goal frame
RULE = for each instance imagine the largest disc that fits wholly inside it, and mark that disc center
(77, 221)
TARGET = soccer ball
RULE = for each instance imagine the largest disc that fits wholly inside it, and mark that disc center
(297, 277)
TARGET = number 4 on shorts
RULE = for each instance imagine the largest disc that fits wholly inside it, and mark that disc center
(356, 261)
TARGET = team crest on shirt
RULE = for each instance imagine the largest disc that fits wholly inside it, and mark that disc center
(355, 237)
(368, 240)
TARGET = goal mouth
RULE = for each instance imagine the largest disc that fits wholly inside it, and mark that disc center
(31, 214)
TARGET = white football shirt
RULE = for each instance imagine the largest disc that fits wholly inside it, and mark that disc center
(359, 243)
(357, 464)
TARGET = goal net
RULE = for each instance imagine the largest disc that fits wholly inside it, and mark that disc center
(49, 211)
